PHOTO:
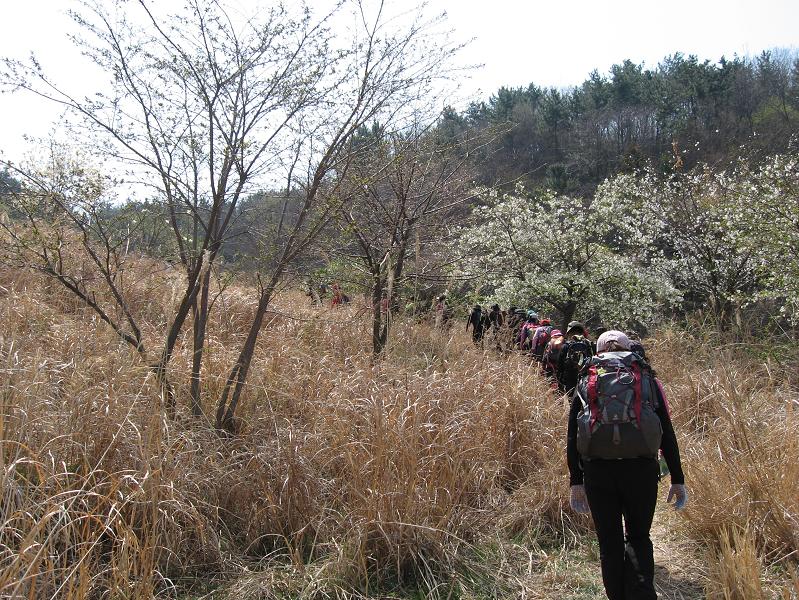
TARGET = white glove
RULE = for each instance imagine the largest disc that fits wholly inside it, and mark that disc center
(578, 500)
(678, 492)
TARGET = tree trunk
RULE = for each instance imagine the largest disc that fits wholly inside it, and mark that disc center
(382, 317)
(378, 333)
(200, 325)
(238, 374)
(160, 368)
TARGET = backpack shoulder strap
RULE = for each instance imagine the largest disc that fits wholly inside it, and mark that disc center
(592, 393)
(636, 371)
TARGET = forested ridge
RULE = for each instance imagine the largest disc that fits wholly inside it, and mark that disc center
(680, 114)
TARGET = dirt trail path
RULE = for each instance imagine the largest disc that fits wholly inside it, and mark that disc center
(574, 573)
(678, 567)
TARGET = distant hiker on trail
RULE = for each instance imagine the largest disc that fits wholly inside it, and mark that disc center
(339, 297)
(477, 321)
(495, 322)
(312, 292)
(549, 361)
(619, 420)
(636, 345)
(513, 326)
(513, 323)
(495, 318)
(573, 356)
(541, 338)
(525, 339)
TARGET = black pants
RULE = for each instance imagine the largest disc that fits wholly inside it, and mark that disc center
(624, 488)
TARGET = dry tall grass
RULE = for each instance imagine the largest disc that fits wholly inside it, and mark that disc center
(737, 410)
(357, 475)
(348, 477)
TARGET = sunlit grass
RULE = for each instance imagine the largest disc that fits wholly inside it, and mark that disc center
(439, 468)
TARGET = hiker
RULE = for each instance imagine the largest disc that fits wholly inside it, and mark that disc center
(477, 322)
(524, 340)
(574, 355)
(636, 345)
(495, 318)
(618, 421)
(312, 292)
(486, 321)
(339, 297)
(549, 361)
(495, 322)
(513, 323)
(541, 338)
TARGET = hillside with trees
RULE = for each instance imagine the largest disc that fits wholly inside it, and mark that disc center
(684, 113)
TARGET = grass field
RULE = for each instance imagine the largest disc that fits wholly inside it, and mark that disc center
(438, 471)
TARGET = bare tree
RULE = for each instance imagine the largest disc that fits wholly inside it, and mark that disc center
(206, 108)
(203, 103)
(407, 188)
(388, 73)
(59, 222)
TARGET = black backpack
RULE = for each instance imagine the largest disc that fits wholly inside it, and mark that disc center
(578, 352)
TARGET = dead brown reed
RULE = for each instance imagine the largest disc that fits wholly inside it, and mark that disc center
(735, 569)
(349, 477)
(737, 419)
(384, 473)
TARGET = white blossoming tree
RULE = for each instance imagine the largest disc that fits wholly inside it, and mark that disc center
(713, 240)
(693, 229)
(557, 254)
(769, 210)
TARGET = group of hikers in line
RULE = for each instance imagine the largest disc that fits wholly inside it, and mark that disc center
(558, 353)
(619, 430)
(319, 293)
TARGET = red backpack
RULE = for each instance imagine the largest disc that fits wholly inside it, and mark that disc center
(540, 340)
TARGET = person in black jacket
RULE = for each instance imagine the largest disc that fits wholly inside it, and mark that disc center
(494, 326)
(621, 495)
(576, 350)
(477, 321)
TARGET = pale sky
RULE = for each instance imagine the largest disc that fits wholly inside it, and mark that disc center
(548, 43)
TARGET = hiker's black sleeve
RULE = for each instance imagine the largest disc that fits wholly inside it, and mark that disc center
(560, 366)
(668, 443)
(572, 457)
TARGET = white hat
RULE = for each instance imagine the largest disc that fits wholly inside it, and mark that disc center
(612, 336)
